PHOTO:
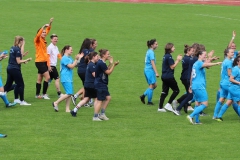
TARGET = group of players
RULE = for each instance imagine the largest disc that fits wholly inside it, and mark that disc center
(194, 62)
(92, 70)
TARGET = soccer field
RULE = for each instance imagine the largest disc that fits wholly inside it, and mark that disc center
(134, 131)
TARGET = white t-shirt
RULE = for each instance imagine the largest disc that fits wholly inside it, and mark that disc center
(53, 52)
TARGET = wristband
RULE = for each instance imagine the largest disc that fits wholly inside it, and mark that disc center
(233, 38)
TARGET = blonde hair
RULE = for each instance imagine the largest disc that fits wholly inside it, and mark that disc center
(17, 41)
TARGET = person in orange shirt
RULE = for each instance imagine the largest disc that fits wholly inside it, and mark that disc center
(42, 60)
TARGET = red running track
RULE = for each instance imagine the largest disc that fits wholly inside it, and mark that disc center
(215, 2)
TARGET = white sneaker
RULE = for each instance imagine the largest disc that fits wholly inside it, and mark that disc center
(96, 119)
(45, 96)
(17, 101)
(161, 110)
(176, 112)
(175, 104)
(190, 119)
(86, 105)
(190, 108)
(168, 107)
(103, 117)
(38, 97)
(24, 103)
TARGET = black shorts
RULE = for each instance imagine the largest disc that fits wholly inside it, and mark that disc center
(54, 74)
(102, 94)
(90, 92)
(42, 67)
(82, 77)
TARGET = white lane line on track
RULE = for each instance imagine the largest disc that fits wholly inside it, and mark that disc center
(219, 17)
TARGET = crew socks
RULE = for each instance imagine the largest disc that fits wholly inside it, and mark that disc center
(45, 87)
(217, 108)
(4, 97)
(38, 88)
(222, 111)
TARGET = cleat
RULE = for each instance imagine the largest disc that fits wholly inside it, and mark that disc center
(103, 117)
(168, 107)
(190, 119)
(174, 104)
(73, 100)
(17, 101)
(150, 104)
(38, 96)
(176, 112)
(96, 119)
(190, 108)
(24, 103)
(55, 107)
(45, 96)
(161, 110)
(11, 104)
(86, 105)
(203, 114)
(3, 135)
(74, 114)
(197, 123)
(219, 119)
(142, 98)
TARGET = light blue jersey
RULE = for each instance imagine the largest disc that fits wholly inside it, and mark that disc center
(235, 54)
(234, 88)
(236, 75)
(66, 73)
(198, 76)
(150, 55)
(226, 65)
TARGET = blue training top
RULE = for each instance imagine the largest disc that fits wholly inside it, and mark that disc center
(192, 60)
(198, 76)
(226, 65)
(14, 53)
(236, 75)
(185, 66)
(101, 78)
(82, 65)
(66, 73)
(89, 79)
(150, 55)
(167, 72)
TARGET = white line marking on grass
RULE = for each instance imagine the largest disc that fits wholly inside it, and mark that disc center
(207, 15)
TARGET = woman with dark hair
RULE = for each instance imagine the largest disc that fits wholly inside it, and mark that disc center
(90, 91)
(168, 80)
(85, 49)
(226, 70)
(66, 76)
(198, 84)
(14, 73)
(42, 60)
(188, 51)
(150, 71)
(102, 71)
(234, 88)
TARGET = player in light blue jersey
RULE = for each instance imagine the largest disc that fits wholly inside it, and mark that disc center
(150, 71)
(66, 74)
(234, 88)
(198, 84)
(231, 45)
(224, 85)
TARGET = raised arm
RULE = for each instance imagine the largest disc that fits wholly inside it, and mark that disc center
(231, 41)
